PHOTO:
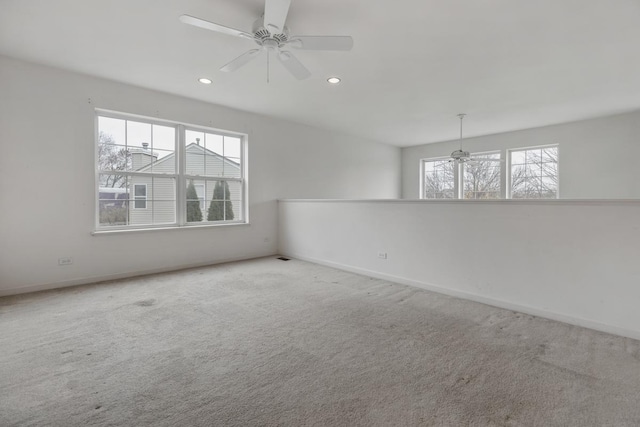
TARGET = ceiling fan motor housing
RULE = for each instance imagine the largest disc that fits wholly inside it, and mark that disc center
(263, 37)
(460, 155)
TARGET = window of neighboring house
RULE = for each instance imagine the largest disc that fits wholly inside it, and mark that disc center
(533, 173)
(140, 196)
(137, 165)
(438, 179)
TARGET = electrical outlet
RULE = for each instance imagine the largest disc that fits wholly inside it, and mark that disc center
(382, 255)
(65, 261)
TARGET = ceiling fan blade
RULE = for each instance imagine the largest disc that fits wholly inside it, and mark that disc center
(240, 60)
(294, 66)
(275, 14)
(322, 42)
(197, 22)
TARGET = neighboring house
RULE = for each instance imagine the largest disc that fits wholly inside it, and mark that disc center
(153, 198)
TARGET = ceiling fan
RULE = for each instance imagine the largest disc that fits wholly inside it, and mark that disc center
(461, 156)
(271, 34)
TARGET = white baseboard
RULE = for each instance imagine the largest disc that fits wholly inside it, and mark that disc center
(586, 323)
(116, 276)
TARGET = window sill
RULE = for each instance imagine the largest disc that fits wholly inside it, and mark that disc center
(169, 227)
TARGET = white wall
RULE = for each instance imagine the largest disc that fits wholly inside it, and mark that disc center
(47, 179)
(597, 158)
(574, 261)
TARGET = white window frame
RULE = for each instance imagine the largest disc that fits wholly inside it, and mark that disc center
(180, 176)
(535, 147)
(456, 189)
(137, 198)
(458, 176)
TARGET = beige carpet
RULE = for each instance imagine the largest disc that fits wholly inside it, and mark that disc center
(267, 342)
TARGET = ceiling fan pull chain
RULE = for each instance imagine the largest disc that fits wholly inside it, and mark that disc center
(267, 66)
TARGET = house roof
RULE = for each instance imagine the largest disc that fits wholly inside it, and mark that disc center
(191, 147)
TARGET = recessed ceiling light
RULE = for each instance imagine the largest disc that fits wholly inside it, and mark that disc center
(205, 81)
(334, 80)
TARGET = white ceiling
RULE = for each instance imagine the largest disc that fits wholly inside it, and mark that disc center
(509, 64)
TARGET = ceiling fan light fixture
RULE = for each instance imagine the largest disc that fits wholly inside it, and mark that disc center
(205, 81)
(334, 80)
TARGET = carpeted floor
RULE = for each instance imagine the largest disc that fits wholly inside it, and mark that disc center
(267, 342)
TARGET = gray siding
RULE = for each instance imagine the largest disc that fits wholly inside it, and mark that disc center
(161, 197)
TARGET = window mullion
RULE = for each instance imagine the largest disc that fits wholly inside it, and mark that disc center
(457, 182)
(181, 183)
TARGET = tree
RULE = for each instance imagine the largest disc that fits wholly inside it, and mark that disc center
(112, 158)
(482, 178)
(194, 214)
(221, 208)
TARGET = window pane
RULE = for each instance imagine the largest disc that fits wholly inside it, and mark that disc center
(231, 167)
(193, 137)
(214, 144)
(111, 130)
(532, 155)
(235, 190)
(518, 158)
(550, 154)
(234, 207)
(112, 181)
(534, 169)
(224, 200)
(161, 161)
(112, 157)
(138, 134)
(232, 146)
(200, 159)
(113, 201)
(194, 204)
(164, 138)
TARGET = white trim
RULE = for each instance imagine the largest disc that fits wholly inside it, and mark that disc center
(577, 321)
(160, 227)
(109, 277)
(596, 202)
